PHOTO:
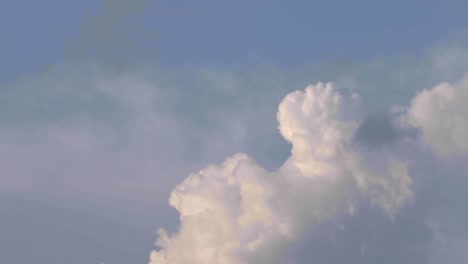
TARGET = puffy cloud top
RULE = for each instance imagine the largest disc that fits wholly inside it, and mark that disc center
(238, 212)
(441, 113)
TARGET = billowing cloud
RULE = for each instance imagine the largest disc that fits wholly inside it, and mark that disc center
(441, 114)
(237, 212)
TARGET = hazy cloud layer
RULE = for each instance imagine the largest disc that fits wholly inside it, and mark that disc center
(127, 139)
(103, 137)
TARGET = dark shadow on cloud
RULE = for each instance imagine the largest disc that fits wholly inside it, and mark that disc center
(369, 236)
(377, 131)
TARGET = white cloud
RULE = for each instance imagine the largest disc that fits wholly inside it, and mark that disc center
(442, 115)
(237, 211)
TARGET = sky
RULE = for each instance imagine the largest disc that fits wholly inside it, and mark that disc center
(235, 132)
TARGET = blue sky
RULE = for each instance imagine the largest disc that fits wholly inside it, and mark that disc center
(234, 34)
(105, 106)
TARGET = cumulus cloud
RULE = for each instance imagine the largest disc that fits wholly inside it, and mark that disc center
(238, 212)
(441, 113)
(440, 116)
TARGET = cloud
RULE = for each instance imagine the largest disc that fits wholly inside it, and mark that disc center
(346, 168)
(238, 212)
(127, 139)
(441, 114)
